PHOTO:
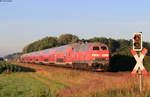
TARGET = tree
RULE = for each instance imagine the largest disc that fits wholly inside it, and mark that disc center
(67, 39)
(147, 45)
(100, 39)
(45, 43)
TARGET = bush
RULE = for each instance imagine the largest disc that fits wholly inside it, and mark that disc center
(147, 62)
(122, 63)
(8, 67)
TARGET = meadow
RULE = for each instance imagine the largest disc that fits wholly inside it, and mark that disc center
(46, 81)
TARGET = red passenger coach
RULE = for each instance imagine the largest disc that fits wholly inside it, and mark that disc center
(93, 56)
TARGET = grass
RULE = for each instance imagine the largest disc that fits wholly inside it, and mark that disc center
(57, 82)
(22, 85)
(118, 93)
(32, 84)
(51, 83)
(126, 88)
(26, 86)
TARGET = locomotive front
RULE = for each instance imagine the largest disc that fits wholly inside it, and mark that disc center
(100, 56)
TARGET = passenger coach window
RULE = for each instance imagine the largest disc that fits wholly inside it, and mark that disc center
(104, 48)
(95, 48)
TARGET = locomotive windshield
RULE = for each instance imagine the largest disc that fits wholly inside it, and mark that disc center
(96, 48)
(103, 47)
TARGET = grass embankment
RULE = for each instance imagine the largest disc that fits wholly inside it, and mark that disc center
(21, 85)
(59, 82)
(19, 81)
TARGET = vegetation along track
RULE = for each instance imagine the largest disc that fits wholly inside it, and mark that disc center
(44, 68)
(76, 83)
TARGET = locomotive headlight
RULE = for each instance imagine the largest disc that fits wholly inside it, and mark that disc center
(105, 55)
(95, 55)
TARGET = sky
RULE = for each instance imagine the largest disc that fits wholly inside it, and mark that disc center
(25, 21)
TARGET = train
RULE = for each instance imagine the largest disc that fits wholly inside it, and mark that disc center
(91, 56)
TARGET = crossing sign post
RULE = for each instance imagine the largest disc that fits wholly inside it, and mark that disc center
(139, 65)
(139, 53)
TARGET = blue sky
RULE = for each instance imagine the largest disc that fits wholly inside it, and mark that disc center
(24, 21)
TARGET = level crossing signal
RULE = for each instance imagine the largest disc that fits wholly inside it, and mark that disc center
(137, 42)
(139, 53)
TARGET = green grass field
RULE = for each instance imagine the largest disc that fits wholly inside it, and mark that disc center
(21, 85)
(58, 82)
(36, 85)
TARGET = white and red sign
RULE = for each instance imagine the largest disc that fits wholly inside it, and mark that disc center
(139, 65)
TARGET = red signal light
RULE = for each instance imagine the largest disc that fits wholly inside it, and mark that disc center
(137, 41)
(137, 37)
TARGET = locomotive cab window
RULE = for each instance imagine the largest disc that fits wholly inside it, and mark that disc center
(95, 48)
(103, 48)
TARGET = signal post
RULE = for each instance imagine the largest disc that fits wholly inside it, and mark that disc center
(139, 53)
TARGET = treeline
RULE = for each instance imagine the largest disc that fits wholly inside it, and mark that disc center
(120, 46)
(14, 56)
(49, 42)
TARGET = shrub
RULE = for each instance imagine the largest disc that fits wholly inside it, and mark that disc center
(8, 67)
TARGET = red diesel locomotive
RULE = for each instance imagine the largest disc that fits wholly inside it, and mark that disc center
(93, 56)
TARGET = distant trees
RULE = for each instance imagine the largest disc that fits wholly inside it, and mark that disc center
(13, 56)
(44, 43)
(67, 39)
(147, 45)
(120, 46)
(49, 42)
(100, 39)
